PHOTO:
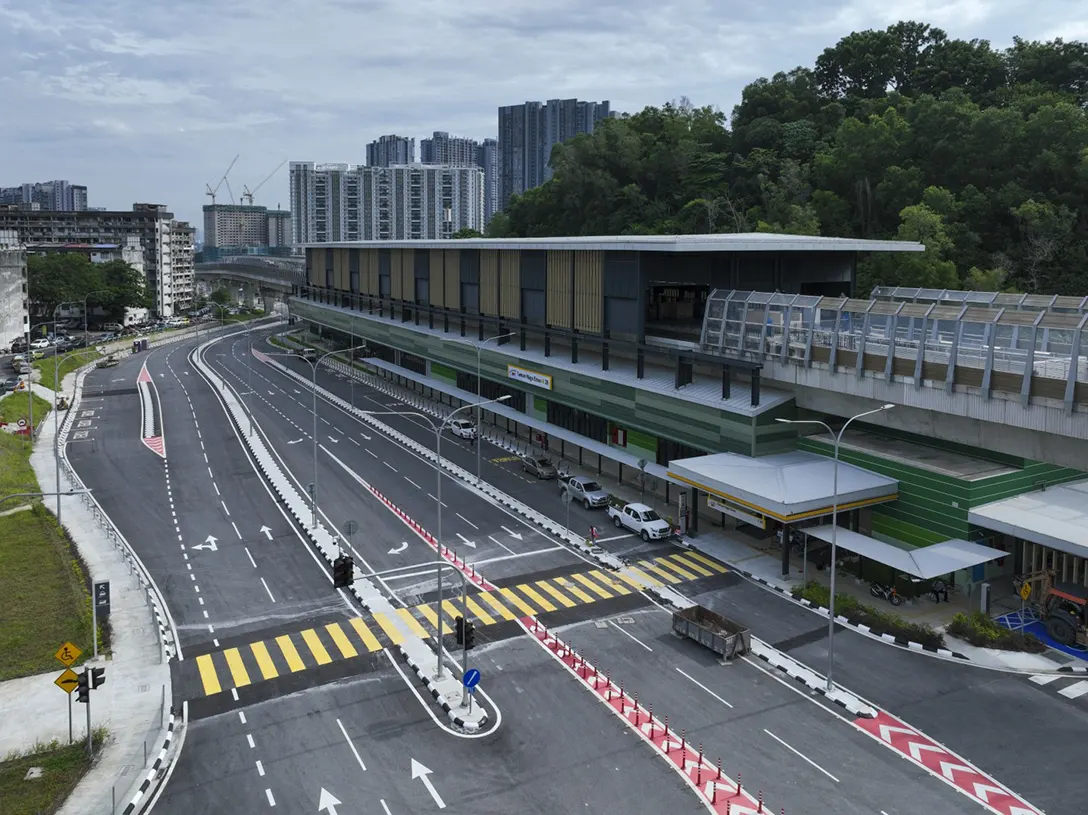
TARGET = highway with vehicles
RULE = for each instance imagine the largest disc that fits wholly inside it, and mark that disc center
(299, 700)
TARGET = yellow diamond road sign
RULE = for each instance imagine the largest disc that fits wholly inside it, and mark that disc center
(67, 681)
(67, 654)
(1025, 591)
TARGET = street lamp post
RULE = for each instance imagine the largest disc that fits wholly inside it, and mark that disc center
(315, 364)
(56, 416)
(834, 525)
(86, 333)
(479, 382)
(438, 428)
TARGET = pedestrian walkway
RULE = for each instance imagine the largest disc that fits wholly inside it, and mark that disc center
(314, 647)
(134, 703)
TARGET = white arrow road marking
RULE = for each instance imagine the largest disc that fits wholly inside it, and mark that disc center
(267, 532)
(296, 390)
(982, 790)
(327, 802)
(296, 441)
(365, 436)
(948, 768)
(209, 544)
(466, 541)
(886, 731)
(422, 773)
(512, 533)
(334, 441)
(916, 748)
(399, 549)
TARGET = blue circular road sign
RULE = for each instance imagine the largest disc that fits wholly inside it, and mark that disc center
(471, 678)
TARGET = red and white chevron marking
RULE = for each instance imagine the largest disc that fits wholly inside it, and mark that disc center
(156, 444)
(144, 376)
(944, 764)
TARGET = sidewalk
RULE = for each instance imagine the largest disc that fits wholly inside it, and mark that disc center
(134, 703)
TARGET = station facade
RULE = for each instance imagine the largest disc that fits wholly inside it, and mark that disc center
(602, 346)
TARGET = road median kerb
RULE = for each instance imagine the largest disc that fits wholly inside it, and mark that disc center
(414, 651)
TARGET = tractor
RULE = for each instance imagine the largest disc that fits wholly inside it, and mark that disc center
(1063, 607)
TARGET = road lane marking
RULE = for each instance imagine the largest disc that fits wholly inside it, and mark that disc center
(271, 800)
(566, 585)
(390, 466)
(478, 611)
(801, 755)
(518, 603)
(664, 564)
(632, 636)
(413, 483)
(388, 627)
(585, 581)
(647, 580)
(236, 532)
(287, 648)
(347, 738)
(615, 538)
(270, 597)
(499, 607)
(260, 768)
(707, 561)
(264, 660)
(533, 595)
(251, 560)
(1077, 689)
(498, 542)
(648, 566)
(208, 676)
(413, 623)
(690, 564)
(467, 521)
(371, 452)
(704, 687)
(369, 640)
(238, 671)
(317, 648)
(342, 642)
(558, 595)
(431, 496)
(609, 582)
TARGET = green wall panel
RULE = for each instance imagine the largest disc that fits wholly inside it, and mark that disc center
(889, 527)
(441, 371)
(1034, 476)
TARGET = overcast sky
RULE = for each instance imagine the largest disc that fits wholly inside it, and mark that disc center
(147, 101)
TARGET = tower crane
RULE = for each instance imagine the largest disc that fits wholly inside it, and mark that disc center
(248, 193)
(212, 193)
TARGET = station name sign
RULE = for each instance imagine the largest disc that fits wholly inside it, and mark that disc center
(528, 377)
(734, 511)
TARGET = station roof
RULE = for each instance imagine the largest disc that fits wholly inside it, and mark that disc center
(735, 242)
(787, 486)
(1056, 517)
(925, 562)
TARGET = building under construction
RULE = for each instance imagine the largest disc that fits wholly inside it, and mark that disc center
(14, 317)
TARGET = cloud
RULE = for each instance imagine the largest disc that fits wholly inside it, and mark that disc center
(148, 101)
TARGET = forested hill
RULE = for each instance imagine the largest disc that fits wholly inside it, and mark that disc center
(980, 153)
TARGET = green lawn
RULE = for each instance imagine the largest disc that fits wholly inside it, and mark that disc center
(48, 366)
(15, 472)
(62, 768)
(16, 406)
(47, 602)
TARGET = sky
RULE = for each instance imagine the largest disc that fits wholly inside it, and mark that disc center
(149, 101)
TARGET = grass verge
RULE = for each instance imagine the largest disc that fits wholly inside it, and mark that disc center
(49, 368)
(16, 474)
(983, 632)
(16, 406)
(48, 598)
(881, 621)
(62, 767)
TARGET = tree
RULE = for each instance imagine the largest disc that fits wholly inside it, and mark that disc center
(56, 278)
(220, 296)
(927, 270)
(466, 232)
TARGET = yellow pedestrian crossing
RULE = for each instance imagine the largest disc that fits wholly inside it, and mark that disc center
(241, 666)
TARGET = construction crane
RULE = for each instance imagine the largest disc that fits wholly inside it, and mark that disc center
(212, 193)
(248, 193)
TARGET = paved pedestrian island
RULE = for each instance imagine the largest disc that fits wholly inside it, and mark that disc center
(294, 652)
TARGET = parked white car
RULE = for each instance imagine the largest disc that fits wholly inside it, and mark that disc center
(463, 428)
(39, 344)
(640, 519)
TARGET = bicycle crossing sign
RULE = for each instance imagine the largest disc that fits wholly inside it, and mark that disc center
(67, 654)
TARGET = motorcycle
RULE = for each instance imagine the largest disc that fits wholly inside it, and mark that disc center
(886, 593)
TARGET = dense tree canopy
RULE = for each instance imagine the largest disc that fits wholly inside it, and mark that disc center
(903, 133)
(69, 278)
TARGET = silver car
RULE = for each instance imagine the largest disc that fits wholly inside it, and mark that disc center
(540, 466)
(584, 489)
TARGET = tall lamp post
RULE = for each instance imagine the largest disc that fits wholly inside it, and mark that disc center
(438, 428)
(314, 363)
(837, 438)
(479, 382)
(56, 415)
(86, 333)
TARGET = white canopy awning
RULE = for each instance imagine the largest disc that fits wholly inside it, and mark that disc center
(1056, 517)
(785, 486)
(925, 562)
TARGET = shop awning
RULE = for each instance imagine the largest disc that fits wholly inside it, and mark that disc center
(787, 486)
(1056, 517)
(925, 562)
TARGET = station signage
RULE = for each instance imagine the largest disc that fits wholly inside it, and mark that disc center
(527, 377)
(733, 511)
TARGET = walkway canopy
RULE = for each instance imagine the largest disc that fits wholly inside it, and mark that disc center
(788, 487)
(1056, 517)
(925, 562)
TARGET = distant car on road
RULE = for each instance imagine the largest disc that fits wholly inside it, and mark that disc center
(39, 345)
(585, 489)
(463, 428)
(540, 466)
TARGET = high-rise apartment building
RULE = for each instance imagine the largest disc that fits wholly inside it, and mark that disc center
(387, 151)
(14, 316)
(442, 148)
(242, 229)
(48, 196)
(488, 160)
(164, 241)
(345, 202)
(527, 134)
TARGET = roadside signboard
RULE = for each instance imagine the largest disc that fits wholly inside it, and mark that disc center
(67, 654)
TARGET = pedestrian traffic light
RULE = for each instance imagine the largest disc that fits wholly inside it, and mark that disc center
(459, 624)
(83, 689)
(343, 572)
(98, 678)
(470, 635)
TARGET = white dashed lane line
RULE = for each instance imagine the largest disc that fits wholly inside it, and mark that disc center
(413, 483)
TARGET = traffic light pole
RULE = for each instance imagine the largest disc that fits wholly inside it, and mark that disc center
(90, 747)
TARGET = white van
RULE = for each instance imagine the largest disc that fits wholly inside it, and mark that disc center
(113, 328)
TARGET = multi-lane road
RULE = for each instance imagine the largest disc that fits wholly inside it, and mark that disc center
(294, 689)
